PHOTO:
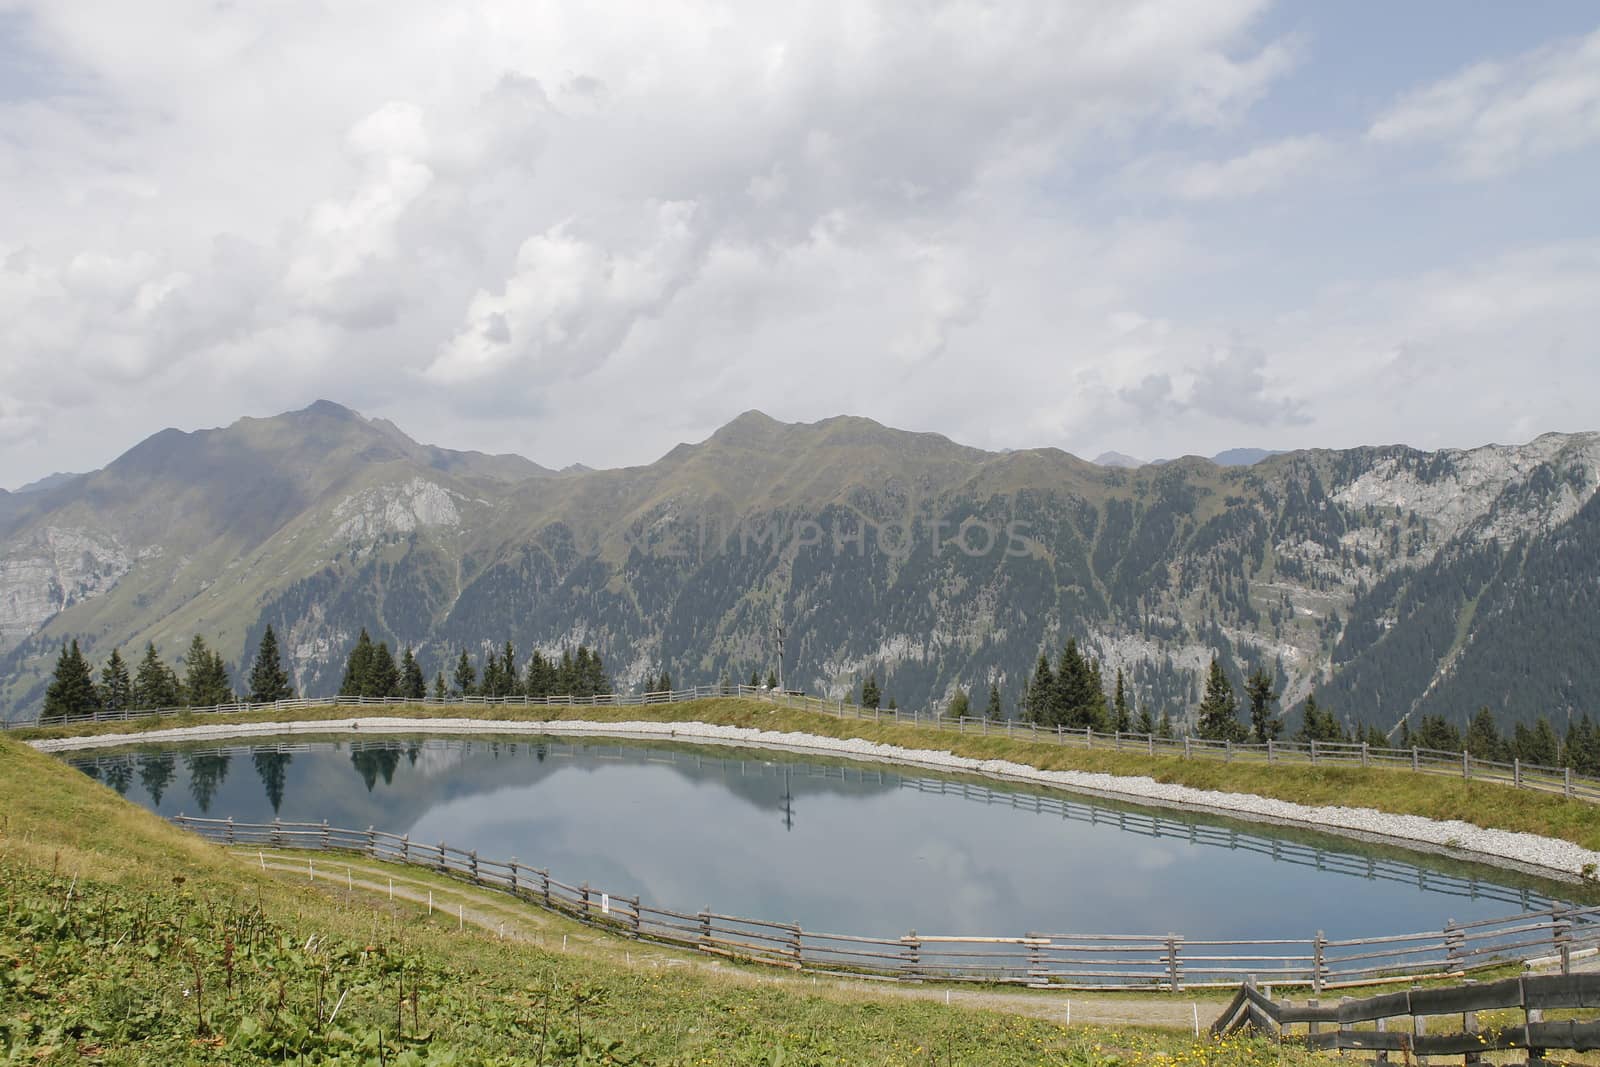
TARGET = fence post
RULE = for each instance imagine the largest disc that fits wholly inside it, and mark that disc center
(1227, 750)
(1271, 755)
(912, 958)
(1174, 968)
(1469, 1025)
(1088, 737)
(1454, 943)
(1318, 951)
(583, 893)
(705, 929)
(1151, 738)
(1566, 782)
(405, 848)
(1416, 762)
(443, 867)
(1363, 753)
(544, 887)
(324, 834)
(637, 922)
(230, 829)
(795, 946)
(472, 862)
(1516, 771)
(1313, 751)
(372, 841)
(1185, 746)
(514, 876)
(1562, 935)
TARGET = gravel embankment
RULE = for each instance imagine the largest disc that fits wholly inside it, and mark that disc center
(1504, 848)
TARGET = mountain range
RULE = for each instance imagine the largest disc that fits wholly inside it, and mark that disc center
(1389, 580)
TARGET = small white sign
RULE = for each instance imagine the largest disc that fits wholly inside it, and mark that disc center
(605, 903)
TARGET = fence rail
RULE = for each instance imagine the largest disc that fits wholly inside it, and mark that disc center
(1041, 960)
(1316, 753)
(1251, 1009)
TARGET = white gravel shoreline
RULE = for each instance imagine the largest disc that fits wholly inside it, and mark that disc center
(1531, 853)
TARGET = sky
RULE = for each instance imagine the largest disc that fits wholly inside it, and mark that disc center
(587, 232)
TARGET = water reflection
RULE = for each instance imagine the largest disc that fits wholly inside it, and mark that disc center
(833, 846)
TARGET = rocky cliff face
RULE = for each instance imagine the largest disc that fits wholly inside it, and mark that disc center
(1393, 581)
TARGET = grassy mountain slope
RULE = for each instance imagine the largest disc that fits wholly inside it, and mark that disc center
(906, 555)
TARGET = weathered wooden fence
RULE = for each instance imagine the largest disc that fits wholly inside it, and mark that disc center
(1533, 995)
(1463, 765)
(1042, 960)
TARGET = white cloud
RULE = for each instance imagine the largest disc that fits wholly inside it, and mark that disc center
(1257, 171)
(1496, 116)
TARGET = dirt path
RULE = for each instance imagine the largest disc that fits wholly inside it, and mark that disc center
(505, 917)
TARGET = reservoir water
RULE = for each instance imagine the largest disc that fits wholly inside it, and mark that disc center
(851, 848)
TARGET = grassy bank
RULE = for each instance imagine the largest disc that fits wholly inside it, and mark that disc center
(123, 940)
(1397, 791)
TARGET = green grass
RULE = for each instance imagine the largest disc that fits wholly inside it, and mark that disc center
(1487, 804)
(124, 940)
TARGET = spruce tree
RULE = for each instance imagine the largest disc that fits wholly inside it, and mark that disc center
(1164, 729)
(1038, 703)
(466, 676)
(205, 680)
(268, 680)
(1145, 723)
(116, 687)
(71, 690)
(959, 706)
(1124, 717)
(596, 681)
(510, 677)
(1219, 711)
(357, 679)
(384, 681)
(870, 696)
(993, 710)
(1582, 750)
(441, 692)
(155, 685)
(664, 682)
(413, 684)
(541, 676)
(1264, 725)
(755, 679)
(1439, 734)
(1483, 736)
(772, 679)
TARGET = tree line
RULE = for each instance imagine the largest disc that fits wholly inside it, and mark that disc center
(371, 670)
(154, 684)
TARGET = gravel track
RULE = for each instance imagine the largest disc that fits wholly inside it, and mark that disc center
(1531, 853)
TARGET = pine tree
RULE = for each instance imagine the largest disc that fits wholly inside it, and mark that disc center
(466, 677)
(357, 679)
(1219, 711)
(664, 682)
(1318, 724)
(155, 685)
(892, 705)
(993, 710)
(1483, 736)
(116, 687)
(959, 706)
(1145, 723)
(1264, 725)
(205, 680)
(541, 676)
(870, 696)
(1537, 745)
(268, 680)
(1038, 702)
(1582, 749)
(441, 692)
(772, 679)
(1439, 734)
(596, 681)
(71, 690)
(413, 683)
(510, 677)
(384, 681)
(1124, 717)
(755, 679)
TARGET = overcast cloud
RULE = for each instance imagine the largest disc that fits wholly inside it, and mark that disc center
(586, 232)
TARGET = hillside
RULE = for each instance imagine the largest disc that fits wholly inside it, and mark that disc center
(1393, 580)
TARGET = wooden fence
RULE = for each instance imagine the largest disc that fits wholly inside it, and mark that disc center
(1041, 960)
(1316, 753)
(1533, 995)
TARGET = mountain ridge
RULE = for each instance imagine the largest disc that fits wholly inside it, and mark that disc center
(321, 521)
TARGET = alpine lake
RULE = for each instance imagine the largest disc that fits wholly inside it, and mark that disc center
(853, 848)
